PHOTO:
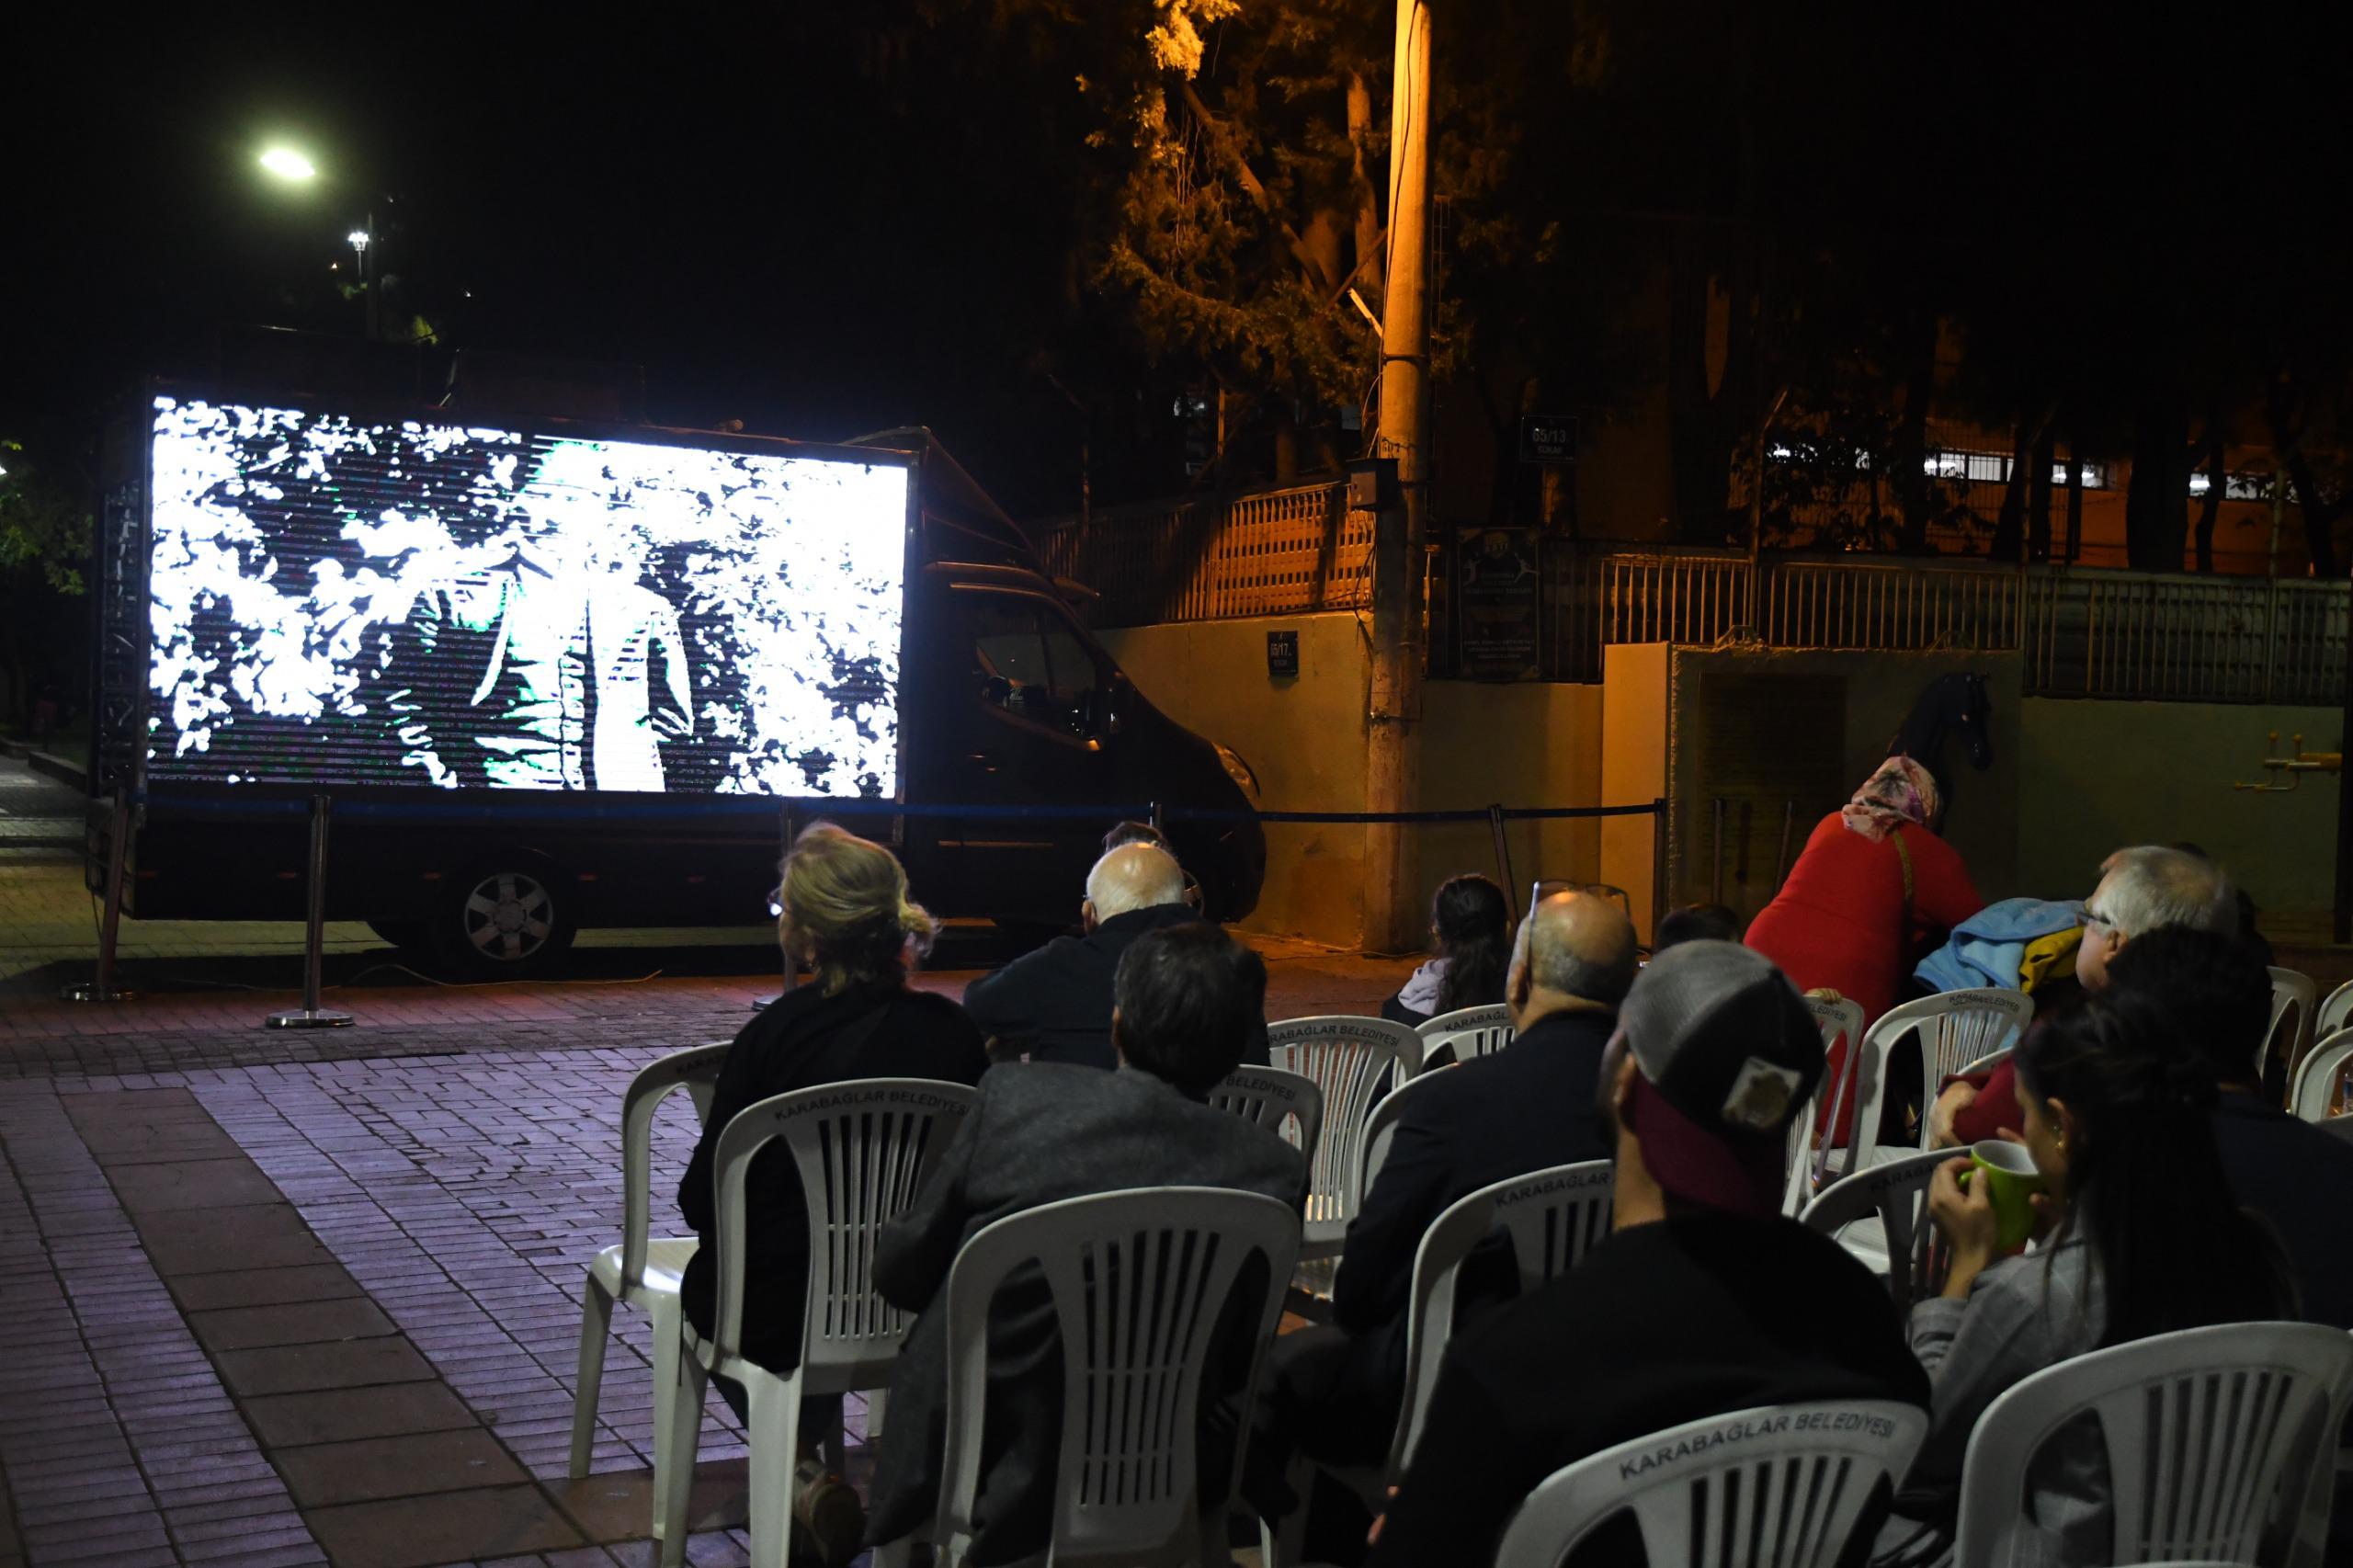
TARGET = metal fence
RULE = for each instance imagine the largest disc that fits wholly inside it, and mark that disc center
(2084, 632)
(1273, 552)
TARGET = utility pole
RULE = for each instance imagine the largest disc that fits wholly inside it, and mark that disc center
(1399, 556)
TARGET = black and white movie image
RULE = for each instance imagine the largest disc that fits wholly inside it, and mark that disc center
(462, 607)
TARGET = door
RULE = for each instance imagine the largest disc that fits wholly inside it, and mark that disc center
(1027, 723)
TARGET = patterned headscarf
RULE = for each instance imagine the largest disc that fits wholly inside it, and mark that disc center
(1899, 793)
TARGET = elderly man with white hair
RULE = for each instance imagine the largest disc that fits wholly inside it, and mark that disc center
(1054, 1004)
(2145, 888)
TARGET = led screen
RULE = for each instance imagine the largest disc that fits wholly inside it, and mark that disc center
(336, 601)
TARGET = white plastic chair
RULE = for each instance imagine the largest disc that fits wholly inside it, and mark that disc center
(1954, 1030)
(1381, 1131)
(2293, 995)
(1285, 1103)
(1346, 1057)
(2213, 1437)
(1138, 1281)
(862, 1148)
(1553, 1216)
(1838, 1020)
(1781, 1484)
(2316, 1079)
(643, 1272)
(1894, 1194)
(1466, 1033)
(2335, 1013)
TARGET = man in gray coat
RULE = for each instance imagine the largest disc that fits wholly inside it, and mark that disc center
(1186, 998)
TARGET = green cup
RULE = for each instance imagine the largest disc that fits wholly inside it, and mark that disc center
(2011, 1182)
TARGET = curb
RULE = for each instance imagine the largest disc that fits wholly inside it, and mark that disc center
(59, 768)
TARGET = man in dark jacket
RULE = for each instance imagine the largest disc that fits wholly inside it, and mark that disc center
(1335, 1391)
(1054, 1004)
(1703, 1300)
(1187, 996)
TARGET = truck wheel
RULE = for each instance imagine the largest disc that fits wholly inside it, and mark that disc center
(506, 922)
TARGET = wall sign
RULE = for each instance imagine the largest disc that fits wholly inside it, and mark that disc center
(1499, 626)
(1282, 655)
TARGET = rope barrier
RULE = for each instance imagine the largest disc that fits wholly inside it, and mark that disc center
(764, 809)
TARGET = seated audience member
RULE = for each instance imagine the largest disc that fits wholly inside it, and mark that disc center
(2250, 917)
(2287, 1171)
(1696, 922)
(1055, 1004)
(1189, 997)
(846, 913)
(1133, 832)
(1873, 882)
(1703, 1300)
(1334, 1390)
(1470, 945)
(2116, 1107)
(2140, 890)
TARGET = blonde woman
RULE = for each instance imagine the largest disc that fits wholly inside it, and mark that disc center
(847, 915)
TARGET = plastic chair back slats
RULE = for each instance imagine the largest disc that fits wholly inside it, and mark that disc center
(1954, 1028)
(2317, 1076)
(2293, 995)
(1347, 1058)
(1896, 1193)
(1287, 1104)
(1466, 1033)
(1780, 1486)
(1139, 1280)
(1553, 1218)
(861, 1149)
(695, 1070)
(2215, 1439)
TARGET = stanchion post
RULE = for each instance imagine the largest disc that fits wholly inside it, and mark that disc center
(102, 988)
(1503, 845)
(311, 1015)
(791, 971)
(1658, 864)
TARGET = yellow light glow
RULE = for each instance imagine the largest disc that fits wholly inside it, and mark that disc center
(287, 163)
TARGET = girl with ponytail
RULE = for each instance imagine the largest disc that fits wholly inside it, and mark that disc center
(847, 915)
(2139, 1236)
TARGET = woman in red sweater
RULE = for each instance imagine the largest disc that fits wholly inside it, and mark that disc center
(1872, 883)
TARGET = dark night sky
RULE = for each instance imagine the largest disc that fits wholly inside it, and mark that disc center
(776, 227)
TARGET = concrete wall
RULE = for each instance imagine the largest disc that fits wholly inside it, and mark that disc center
(1516, 745)
(1303, 735)
(2098, 775)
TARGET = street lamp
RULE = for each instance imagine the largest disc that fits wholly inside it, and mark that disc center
(287, 163)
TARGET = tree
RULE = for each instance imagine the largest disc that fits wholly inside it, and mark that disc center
(45, 534)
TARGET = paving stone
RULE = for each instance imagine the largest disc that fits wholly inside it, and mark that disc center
(373, 1468)
(169, 1186)
(352, 1363)
(267, 1235)
(298, 1322)
(336, 1415)
(263, 1287)
(451, 1527)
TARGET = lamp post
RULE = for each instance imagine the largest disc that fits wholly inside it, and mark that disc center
(294, 168)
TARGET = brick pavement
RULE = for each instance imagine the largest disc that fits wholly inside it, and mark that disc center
(305, 1298)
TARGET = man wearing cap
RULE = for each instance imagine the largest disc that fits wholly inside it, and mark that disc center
(1703, 1300)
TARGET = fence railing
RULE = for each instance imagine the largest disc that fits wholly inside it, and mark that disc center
(2084, 632)
(1274, 552)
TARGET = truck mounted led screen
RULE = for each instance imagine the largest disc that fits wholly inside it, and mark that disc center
(333, 601)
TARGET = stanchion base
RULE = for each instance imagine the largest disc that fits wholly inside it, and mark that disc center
(307, 1019)
(762, 1003)
(91, 991)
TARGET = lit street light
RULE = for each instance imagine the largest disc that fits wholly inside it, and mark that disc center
(287, 163)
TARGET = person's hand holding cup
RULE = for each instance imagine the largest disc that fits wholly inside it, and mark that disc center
(1984, 1205)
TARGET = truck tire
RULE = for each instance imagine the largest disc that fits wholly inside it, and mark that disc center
(506, 920)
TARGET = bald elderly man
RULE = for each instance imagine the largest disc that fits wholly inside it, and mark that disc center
(1335, 1391)
(1054, 1004)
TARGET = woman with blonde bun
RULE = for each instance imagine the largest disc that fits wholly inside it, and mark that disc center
(847, 915)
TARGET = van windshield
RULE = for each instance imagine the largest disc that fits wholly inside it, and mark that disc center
(1027, 662)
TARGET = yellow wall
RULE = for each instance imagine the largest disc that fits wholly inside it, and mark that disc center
(1633, 768)
(1303, 736)
(2099, 774)
(1516, 745)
